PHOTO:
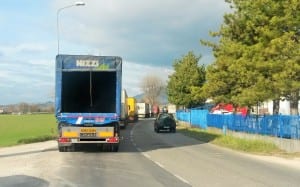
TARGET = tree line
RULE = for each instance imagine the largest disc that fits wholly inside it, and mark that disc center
(25, 108)
(257, 58)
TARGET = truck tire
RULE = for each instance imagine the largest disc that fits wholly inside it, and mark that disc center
(100, 147)
(67, 148)
(157, 130)
(62, 149)
(114, 147)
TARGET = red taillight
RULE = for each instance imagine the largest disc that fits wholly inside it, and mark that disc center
(64, 140)
(112, 140)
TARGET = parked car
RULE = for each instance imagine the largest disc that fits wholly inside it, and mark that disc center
(165, 122)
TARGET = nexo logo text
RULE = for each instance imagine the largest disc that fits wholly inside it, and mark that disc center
(87, 63)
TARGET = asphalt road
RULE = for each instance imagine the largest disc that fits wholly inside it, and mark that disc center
(146, 159)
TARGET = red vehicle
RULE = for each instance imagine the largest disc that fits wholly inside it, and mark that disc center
(223, 108)
(155, 111)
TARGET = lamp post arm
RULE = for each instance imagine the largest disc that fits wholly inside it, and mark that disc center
(57, 24)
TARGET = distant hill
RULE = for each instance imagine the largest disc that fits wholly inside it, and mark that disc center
(163, 97)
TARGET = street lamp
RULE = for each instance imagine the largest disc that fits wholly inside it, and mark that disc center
(79, 3)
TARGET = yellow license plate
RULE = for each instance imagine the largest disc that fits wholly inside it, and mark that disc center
(88, 130)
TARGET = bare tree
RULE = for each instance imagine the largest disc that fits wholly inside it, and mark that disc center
(34, 108)
(152, 86)
(23, 107)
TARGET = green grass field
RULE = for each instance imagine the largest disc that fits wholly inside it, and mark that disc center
(20, 129)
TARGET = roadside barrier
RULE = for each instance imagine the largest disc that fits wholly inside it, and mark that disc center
(283, 126)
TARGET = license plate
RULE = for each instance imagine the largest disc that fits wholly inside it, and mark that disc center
(88, 130)
(166, 127)
(87, 135)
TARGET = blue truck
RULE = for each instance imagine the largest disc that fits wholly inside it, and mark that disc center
(88, 100)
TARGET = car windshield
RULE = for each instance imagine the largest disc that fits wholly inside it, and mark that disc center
(163, 116)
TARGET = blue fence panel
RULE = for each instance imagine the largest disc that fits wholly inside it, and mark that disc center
(215, 120)
(199, 118)
(183, 116)
(272, 125)
(295, 127)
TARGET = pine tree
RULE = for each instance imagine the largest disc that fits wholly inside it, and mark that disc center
(184, 86)
(257, 57)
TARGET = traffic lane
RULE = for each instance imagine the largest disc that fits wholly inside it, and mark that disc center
(129, 169)
(126, 167)
(204, 164)
(85, 167)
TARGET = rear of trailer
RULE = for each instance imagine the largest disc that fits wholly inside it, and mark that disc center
(88, 100)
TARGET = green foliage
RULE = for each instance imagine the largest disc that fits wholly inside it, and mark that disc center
(16, 129)
(185, 84)
(257, 57)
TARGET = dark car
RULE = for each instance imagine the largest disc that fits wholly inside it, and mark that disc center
(165, 122)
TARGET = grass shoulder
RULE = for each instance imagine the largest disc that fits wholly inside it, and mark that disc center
(27, 128)
(259, 147)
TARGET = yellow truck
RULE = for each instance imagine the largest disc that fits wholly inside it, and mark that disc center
(132, 109)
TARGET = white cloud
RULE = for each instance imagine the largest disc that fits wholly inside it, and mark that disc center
(23, 80)
(22, 48)
(152, 32)
(133, 74)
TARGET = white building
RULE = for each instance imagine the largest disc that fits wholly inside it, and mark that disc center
(267, 108)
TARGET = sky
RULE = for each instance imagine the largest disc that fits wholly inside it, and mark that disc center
(148, 35)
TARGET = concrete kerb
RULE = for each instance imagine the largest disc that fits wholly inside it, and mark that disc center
(28, 148)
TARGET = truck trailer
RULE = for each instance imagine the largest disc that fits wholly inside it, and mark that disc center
(132, 109)
(124, 110)
(88, 100)
(143, 110)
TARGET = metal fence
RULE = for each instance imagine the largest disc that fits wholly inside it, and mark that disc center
(272, 125)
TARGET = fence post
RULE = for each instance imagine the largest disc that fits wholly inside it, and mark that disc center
(190, 117)
(224, 125)
(224, 129)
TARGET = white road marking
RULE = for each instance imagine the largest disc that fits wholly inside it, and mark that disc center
(139, 150)
(159, 164)
(182, 179)
(147, 156)
(156, 162)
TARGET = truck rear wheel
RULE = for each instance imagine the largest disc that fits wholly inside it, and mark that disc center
(70, 148)
(114, 147)
(62, 148)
